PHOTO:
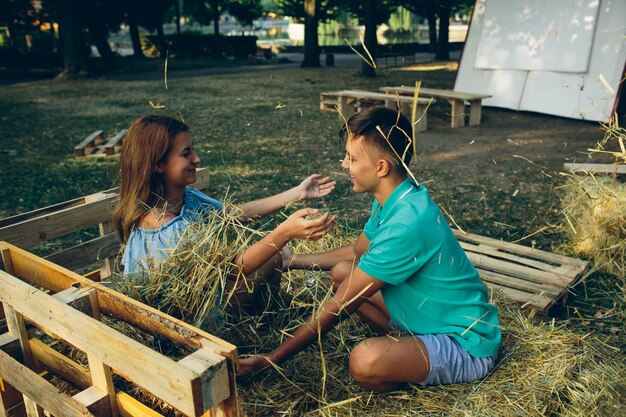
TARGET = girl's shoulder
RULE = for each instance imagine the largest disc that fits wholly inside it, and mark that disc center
(198, 201)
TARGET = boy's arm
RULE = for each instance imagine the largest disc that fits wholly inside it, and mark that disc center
(312, 187)
(349, 296)
(325, 261)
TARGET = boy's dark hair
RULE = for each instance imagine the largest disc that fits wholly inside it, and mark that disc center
(396, 128)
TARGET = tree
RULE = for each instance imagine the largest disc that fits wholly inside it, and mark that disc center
(433, 10)
(311, 12)
(371, 13)
(245, 11)
(206, 11)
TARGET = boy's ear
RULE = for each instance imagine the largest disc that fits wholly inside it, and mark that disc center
(383, 168)
(158, 169)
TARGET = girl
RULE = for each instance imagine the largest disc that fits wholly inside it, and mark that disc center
(157, 166)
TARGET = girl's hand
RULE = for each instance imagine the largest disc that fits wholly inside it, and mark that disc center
(297, 226)
(315, 187)
(252, 365)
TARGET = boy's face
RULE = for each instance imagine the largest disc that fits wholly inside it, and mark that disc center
(360, 166)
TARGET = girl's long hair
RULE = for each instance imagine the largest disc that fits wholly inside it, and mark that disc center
(146, 144)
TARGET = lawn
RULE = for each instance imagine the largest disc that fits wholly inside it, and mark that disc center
(259, 133)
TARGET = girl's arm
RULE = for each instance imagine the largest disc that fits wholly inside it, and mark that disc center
(350, 295)
(325, 261)
(312, 187)
(297, 226)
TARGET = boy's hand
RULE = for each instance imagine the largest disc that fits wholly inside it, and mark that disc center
(315, 187)
(252, 365)
(287, 257)
(297, 226)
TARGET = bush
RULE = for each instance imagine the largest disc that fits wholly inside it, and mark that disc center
(193, 45)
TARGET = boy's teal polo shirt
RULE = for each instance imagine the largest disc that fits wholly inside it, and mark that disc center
(432, 287)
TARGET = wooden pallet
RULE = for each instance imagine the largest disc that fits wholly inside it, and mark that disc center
(68, 306)
(534, 278)
(96, 145)
(615, 169)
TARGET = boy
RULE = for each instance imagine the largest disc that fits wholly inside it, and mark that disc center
(406, 270)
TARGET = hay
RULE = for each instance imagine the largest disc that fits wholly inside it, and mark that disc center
(190, 283)
(595, 212)
(544, 368)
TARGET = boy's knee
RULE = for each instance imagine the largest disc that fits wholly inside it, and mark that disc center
(340, 272)
(363, 361)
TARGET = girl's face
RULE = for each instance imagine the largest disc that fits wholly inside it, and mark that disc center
(179, 167)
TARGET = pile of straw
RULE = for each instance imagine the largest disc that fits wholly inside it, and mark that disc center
(190, 283)
(544, 368)
(595, 212)
(594, 207)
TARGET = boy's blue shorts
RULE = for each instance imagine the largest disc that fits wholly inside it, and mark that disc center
(450, 363)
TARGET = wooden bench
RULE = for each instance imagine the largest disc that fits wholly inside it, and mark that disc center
(534, 278)
(96, 145)
(73, 310)
(456, 99)
(349, 102)
(615, 169)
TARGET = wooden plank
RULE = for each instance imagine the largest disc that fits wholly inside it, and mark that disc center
(174, 383)
(96, 401)
(619, 169)
(87, 253)
(437, 93)
(115, 144)
(475, 112)
(519, 284)
(213, 381)
(508, 268)
(89, 142)
(38, 389)
(9, 396)
(59, 364)
(80, 299)
(538, 302)
(457, 113)
(35, 231)
(102, 378)
(532, 263)
(520, 249)
(41, 212)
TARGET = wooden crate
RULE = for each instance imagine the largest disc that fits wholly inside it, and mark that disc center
(52, 298)
(96, 145)
(534, 278)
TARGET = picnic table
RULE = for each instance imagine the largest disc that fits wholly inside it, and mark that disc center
(456, 99)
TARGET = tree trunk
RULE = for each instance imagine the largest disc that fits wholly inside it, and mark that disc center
(99, 36)
(311, 44)
(177, 3)
(75, 56)
(443, 47)
(216, 17)
(432, 32)
(133, 28)
(368, 68)
(161, 38)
